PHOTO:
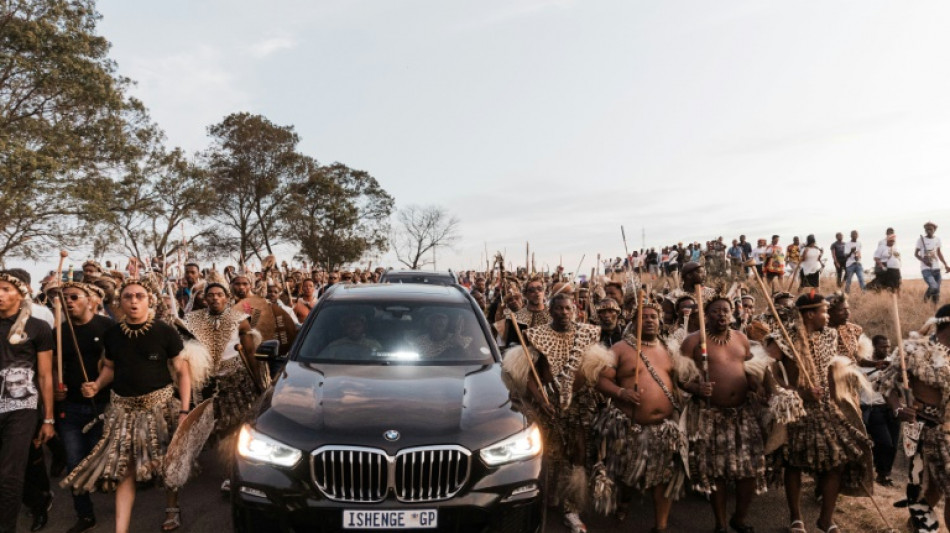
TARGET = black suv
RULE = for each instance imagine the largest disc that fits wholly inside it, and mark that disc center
(390, 415)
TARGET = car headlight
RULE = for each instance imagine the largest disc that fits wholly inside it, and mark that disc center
(521, 445)
(256, 446)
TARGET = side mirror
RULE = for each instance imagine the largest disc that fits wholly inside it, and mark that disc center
(267, 350)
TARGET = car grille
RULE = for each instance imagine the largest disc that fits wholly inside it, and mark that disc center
(366, 475)
(352, 474)
(430, 474)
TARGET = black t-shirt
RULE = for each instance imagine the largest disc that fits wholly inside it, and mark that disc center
(141, 363)
(89, 336)
(18, 388)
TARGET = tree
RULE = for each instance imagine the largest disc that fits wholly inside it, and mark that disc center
(420, 230)
(256, 166)
(339, 214)
(62, 120)
(142, 211)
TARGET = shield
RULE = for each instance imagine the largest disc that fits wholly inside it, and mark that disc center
(285, 331)
(261, 315)
(187, 442)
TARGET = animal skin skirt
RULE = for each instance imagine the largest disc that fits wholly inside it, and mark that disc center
(726, 444)
(135, 436)
(638, 456)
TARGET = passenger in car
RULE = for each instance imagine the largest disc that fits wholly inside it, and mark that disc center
(438, 337)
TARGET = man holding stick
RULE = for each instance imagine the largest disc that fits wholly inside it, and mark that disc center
(830, 441)
(927, 375)
(726, 444)
(554, 376)
(645, 445)
(81, 349)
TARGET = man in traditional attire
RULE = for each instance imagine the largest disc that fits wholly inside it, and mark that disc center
(829, 441)
(928, 371)
(645, 447)
(566, 402)
(852, 342)
(726, 441)
(143, 410)
(234, 375)
(307, 299)
(534, 313)
(608, 315)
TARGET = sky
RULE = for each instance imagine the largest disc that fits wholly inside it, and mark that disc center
(556, 122)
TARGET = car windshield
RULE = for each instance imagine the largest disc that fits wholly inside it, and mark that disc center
(395, 333)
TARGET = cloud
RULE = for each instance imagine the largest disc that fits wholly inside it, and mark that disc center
(266, 47)
(187, 91)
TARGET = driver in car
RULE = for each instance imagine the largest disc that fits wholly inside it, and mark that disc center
(354, 339)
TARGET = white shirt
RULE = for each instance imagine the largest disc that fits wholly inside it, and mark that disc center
(888, 256)
(856, 256)
(928, 248)
(810, 263)
(759, 254)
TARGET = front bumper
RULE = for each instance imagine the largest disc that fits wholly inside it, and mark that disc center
(501, 499)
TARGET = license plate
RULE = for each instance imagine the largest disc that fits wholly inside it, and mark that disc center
(393, 519)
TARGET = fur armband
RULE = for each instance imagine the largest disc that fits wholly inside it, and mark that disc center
(760, 363)
(256, 338)
(516, 366)
(199, 362)
(684, 368)
(849, 381)
(595, 359)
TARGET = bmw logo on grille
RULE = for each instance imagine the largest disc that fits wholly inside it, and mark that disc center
(391, 435)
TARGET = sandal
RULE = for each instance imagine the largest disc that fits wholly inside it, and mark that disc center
(797, 526)
(832, 527)
(172, 522)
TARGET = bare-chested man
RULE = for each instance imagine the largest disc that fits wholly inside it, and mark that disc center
(726, 444)
(641, 423)
(306, 301)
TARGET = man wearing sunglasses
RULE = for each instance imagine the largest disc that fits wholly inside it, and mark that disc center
(80, 301)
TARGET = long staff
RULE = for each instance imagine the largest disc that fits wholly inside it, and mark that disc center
(778, 320)
(58, 318)
(702, 335)
(900, 348)
(636, 371)
(625, 249)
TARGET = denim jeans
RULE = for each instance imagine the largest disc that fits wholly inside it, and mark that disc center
(932, 278)
(79, 444)
(850, 270)
(17, 429)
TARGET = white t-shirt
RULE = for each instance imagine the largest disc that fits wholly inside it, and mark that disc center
(809, 258)
(888, 256)
(43, 313)
(856, 256)
(759, 254)
(927, 247)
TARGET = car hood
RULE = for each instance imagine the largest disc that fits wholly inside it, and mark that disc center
(315, 405)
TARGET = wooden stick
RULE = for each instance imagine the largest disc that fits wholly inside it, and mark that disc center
(527, 354)
(778, 320)
(900, 347)
(702, 334)
(636, 371)
(794, 277)
(58, 318)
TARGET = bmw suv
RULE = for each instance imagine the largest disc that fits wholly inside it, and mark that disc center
(390, 414)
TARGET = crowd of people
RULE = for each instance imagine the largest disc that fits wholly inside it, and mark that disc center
(637, 386)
